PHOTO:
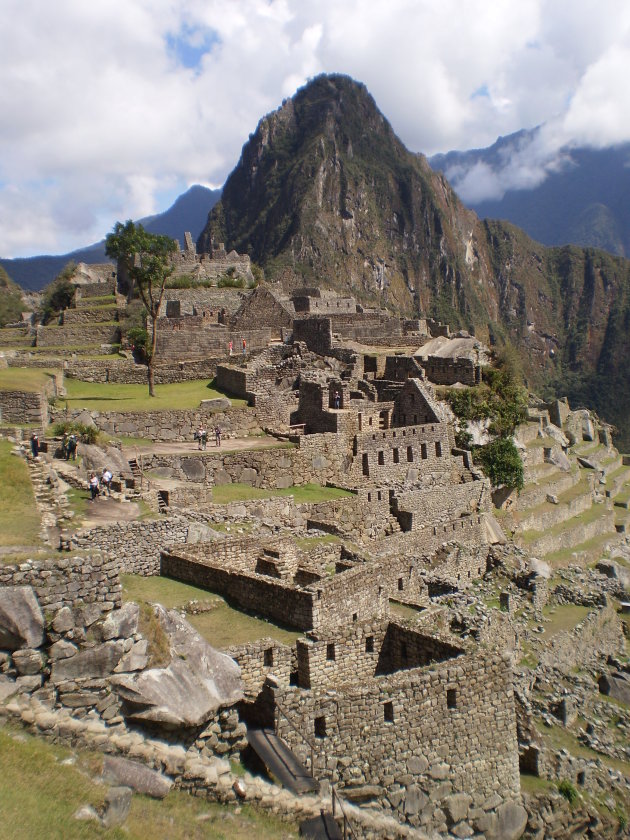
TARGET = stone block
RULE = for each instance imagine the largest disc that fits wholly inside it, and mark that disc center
(456, 806)
(193, 469)
(512, 820)
(27, 661)
(117, 805)
(135, 776)
(415, 800)
(21, 618)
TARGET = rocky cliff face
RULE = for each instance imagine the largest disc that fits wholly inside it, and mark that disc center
(326, 194)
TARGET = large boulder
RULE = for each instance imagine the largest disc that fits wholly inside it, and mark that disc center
(96, 458)
(122, 771)
(21, 618)
(616, 685)
(94, 663)
(189, 691)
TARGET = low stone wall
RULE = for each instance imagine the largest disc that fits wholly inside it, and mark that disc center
(124, 371)
(195, 343)
(420, 507)
(579, 533)
(257, 660)
(69, 581)
(196, 300)
(170, 425)
(76, 335)
(89, 316)
(598, 636)
(442, 371)
(134, 547)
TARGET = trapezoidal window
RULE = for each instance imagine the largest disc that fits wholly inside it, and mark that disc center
(438, 449)
(388, 712)
(410, 454)
(320, 727)
(330, 652)
(396, 456)
(366, 464)
(369, 644)
(423, 451)
(268, 657)
(451, 698)
(381, 458)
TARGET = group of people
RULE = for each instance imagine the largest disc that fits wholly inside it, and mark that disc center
(105, 482)
(231, 346)
(69, 447)
(201, 436)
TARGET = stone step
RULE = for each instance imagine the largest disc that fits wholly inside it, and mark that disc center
(553, 482)
(596, 521)
(548, 515)
(616, 481)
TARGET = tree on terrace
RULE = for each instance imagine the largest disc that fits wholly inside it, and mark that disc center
(146, 257)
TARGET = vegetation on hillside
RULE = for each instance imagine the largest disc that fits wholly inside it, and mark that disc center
(11, 305)
(59, 295)
(501, 401)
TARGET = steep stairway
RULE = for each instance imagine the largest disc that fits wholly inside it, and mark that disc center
(280, 761)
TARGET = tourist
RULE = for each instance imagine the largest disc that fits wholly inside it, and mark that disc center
(34, 445)
(72, 448)
(217, 435)
(230, 347)
(202, 436)
(337, 399)
(244, 347)
(106, 481)
(94, 488)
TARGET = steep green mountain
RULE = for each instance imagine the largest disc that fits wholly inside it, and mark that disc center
(11, 305)
(187, 213)
(583, 199)
(325, 193)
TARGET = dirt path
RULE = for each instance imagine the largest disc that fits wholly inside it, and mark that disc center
(191, 448)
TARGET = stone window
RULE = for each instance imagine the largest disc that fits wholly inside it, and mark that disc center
(381, 458)
(438, 449)
(451, 698)
(410, 454)
(369, 644)
(268, 657)
(366, 464)
(388, 712)
(400, 584)
(320, 727)
(370, 421)
(355, 616)
(330, 652)
(396, 456)
(378, 495)
(369, 497)
(423, 451)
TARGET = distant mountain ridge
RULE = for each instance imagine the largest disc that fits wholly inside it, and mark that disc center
(187, 213)
(582, 201)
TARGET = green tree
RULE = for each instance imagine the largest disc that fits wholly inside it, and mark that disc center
(501, 462)
(59, 295)
(146, 258)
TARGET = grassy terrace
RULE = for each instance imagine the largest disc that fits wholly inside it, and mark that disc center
(313, 493)
(111, 396)
(43, 785)
(585, 518)
(19, 517)
(24, 379)
(222, 626)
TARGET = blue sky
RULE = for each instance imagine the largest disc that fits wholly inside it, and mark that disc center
(112, 108)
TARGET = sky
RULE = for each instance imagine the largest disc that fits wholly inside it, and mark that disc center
(110, 109)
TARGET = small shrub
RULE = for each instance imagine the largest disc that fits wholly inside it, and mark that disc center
(501, 462)
(568, 790)
(229, 282)
(59, 295)
(87, 434)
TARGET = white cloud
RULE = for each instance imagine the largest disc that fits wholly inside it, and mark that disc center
(110, 104)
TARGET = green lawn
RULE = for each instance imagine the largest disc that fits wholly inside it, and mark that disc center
(225, 493)
(23, 379)
(222, 627)
(19, 518)
(42, 786)
(111, 396)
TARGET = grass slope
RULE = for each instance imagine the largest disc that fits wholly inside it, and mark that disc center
(19, 518)
(110, 396)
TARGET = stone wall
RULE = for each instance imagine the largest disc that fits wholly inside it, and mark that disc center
(88, 317)
(107, 287)
(189, 341)
(69, 581)
(416, 508)
(176, 425)
(443, 371)
(229, 567)
(133, 546)
(24, 407)
(444, 729)
(316, 333)
(599, 635)
(196, 300)
(124, 371)
(76, 335)
(257, 660)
